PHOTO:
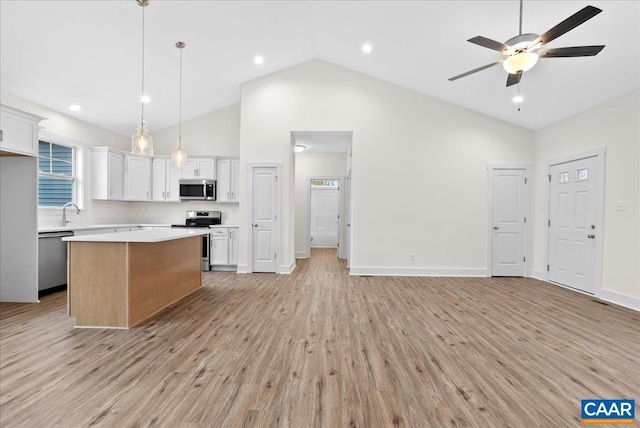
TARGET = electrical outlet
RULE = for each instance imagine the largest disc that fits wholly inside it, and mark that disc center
(412, 256)
(621, 205)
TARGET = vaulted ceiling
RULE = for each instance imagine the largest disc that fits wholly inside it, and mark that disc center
(57, 53)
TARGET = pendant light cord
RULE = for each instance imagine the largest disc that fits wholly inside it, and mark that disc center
(142, 95)
(180, 126)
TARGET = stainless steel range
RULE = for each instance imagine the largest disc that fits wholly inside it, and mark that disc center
(198, 219)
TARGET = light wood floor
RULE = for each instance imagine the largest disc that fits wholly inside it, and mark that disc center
(319, 348)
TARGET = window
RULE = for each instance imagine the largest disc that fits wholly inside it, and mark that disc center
(56, 174)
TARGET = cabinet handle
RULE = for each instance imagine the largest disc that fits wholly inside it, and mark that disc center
(233, 195)
(163, 195)
(147, 194)
(168, 195)
(228, 197)
(110, 192)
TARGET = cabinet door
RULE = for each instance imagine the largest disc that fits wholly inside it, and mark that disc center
(206, 168)
(219, 250)
(19, 135)
(115, 178)
(138, 184)
(173, 182)
(159, 180)
(233, 246)
(235, 180)
(223, 180)
(190, 169)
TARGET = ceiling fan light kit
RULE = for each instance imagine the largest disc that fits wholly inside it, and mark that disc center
(523, 51)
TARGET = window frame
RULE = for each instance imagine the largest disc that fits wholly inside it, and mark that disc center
(76, 165)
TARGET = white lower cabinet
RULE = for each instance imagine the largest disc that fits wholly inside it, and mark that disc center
(224, 248)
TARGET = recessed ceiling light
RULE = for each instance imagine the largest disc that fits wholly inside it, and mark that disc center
(366, 48)
(518, 99)
(145, 99)
(299, 148)
(75, 107)
(258, 60)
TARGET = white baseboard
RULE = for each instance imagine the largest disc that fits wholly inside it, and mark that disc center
(619, 299)
(243, 269)
(606, 295)
(539, 274)
(399, 271)
(287, 269)
(301, 255)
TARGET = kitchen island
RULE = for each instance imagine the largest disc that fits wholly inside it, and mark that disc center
(118, 280)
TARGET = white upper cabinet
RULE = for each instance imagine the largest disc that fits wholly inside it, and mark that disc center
(137, 173)
(107, 174)
(228, 175)
(165, 180)
(19, 131)
(204, 167)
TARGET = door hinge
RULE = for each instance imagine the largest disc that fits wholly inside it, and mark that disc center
(525, 219)
(524, 259)
(549, 223)
(547, 268)
(0, 134)
(549, 178)
(276, 178)
(525, 180)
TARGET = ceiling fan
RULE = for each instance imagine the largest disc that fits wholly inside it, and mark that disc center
(522, 52)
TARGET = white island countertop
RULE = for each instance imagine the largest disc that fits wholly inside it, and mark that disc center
(155, 235)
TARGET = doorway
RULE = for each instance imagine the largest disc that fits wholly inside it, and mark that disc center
(324, 215)
(508, 197)
(574, 224)
(324, 156)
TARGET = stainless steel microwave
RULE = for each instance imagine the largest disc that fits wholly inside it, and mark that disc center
(197, 190)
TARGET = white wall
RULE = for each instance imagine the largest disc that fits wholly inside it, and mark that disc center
(616, 127)
(419, 164)
(309, 165)
(216, 133)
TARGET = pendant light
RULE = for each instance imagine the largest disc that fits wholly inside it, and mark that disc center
(141, 141)
(178, 155)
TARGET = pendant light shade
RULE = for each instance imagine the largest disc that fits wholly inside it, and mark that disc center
(179, 155)
(141, 141)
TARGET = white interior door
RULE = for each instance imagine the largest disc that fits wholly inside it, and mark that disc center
(347, 215)
(508, 244)
(325, 204)
(265, 217)
(573, 228)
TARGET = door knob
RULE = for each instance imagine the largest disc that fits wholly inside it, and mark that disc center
(255, 225)
(495, 228)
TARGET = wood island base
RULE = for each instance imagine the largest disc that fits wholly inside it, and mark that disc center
(121, 284)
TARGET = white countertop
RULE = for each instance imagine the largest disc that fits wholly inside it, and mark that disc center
(71, 228)
(155, 235)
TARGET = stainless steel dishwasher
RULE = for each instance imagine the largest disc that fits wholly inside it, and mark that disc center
(52, 259)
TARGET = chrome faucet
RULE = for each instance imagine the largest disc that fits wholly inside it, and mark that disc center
(64, 212)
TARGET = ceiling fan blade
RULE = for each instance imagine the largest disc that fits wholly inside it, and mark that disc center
(572, 51)
(475, 70)
(569, 24)
(488, 43)
(513, 79)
